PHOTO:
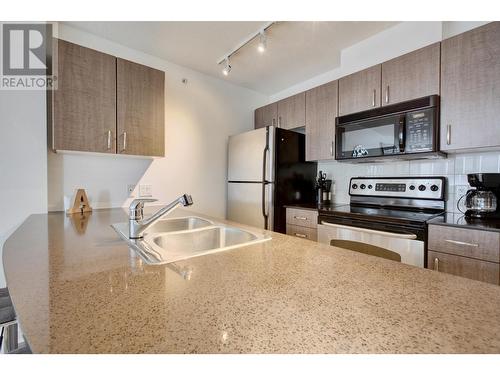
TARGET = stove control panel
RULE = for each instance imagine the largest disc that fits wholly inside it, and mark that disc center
(401, 187)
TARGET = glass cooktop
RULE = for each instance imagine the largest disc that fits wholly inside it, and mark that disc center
(380, 213)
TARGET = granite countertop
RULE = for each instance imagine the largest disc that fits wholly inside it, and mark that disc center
(459, 220)
(78, 288)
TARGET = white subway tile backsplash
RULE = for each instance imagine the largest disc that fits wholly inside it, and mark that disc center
(488, 163)
(455, 168)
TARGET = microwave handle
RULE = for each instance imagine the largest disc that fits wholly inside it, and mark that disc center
(402, 133)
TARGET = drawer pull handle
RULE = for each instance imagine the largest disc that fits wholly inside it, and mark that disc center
(462, 243)
(300, 235)
(436, 264)
(300, 217)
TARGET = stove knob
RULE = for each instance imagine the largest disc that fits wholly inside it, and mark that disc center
(412, 187)
(354, 186)
(434, 188)
(362, 186)
(370, 186)
(422, 188)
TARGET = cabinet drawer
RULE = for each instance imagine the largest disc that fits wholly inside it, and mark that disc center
(460, 266)
(302, 232)
(303, 218)
(478, 244)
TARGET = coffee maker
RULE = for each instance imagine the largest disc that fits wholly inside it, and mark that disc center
(481, 202)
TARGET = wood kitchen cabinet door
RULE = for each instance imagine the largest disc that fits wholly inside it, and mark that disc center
(360, 91)
(266, 116)
(84, 104)
(140, 101)
(321, 111)
(474, 269)
(292, 111)
(470, 89)
(411, 76)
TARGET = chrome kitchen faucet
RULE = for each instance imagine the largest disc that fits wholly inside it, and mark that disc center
(137, 223)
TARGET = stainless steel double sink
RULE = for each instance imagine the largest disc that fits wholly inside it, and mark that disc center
(171, 240)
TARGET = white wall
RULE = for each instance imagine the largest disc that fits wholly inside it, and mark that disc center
(23, 160)
(199, 118)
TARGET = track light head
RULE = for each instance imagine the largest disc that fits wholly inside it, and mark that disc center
(261, 47)
(227, 67)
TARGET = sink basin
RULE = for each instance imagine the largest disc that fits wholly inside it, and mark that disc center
(171, 240)
(178, 224)
(203, 240)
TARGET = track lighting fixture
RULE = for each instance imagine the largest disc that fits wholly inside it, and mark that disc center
(261, 47)
(227, 67)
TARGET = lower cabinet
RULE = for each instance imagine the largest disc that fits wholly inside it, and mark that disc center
(475, 269)
(470, 253)
(302, 232)
(302, 223)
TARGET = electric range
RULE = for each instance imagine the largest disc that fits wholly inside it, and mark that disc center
(389, 212)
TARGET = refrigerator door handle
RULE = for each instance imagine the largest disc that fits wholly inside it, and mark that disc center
(265, 213)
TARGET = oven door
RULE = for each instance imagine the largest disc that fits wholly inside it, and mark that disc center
(381, 136)
(408, 244)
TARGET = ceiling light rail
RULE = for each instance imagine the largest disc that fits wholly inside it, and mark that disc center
(261, 34)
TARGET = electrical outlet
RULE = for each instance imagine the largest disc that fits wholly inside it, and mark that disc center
(461, 190)
(145, 190)
(130, 190)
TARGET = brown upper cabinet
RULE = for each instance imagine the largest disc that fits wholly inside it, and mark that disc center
(411, 76)
(266, 116)
(470, 89)
(292, 111)
(105, 104)
(140, 109)
(321, 110)
(360, 91)
(84, 105)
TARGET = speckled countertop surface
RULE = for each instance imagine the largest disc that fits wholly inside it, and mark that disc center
(461, 221)
(78, 288)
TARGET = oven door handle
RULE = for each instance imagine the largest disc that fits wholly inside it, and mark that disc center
(372, 231)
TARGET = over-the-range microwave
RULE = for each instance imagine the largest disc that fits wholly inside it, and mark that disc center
(407, 130)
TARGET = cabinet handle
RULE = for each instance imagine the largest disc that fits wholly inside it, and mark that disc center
(300, 217)
(331, 149)
(374, 97)
(462, 243)
(273, 122)
(300, 235)
(448, 134)
(436, 264)
(387, 94)
(124, 141)
(279, 122)
(109, 140)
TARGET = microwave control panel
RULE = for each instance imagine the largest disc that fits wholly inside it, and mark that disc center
(420, 130)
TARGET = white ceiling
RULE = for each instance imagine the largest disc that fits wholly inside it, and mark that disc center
(296, 51)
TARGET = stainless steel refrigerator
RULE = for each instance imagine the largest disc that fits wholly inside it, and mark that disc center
(266, 171)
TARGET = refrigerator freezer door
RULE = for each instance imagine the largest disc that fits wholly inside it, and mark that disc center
(246, 155)
(246, 205)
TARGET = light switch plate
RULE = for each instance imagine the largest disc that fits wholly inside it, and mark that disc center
(145, 190)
